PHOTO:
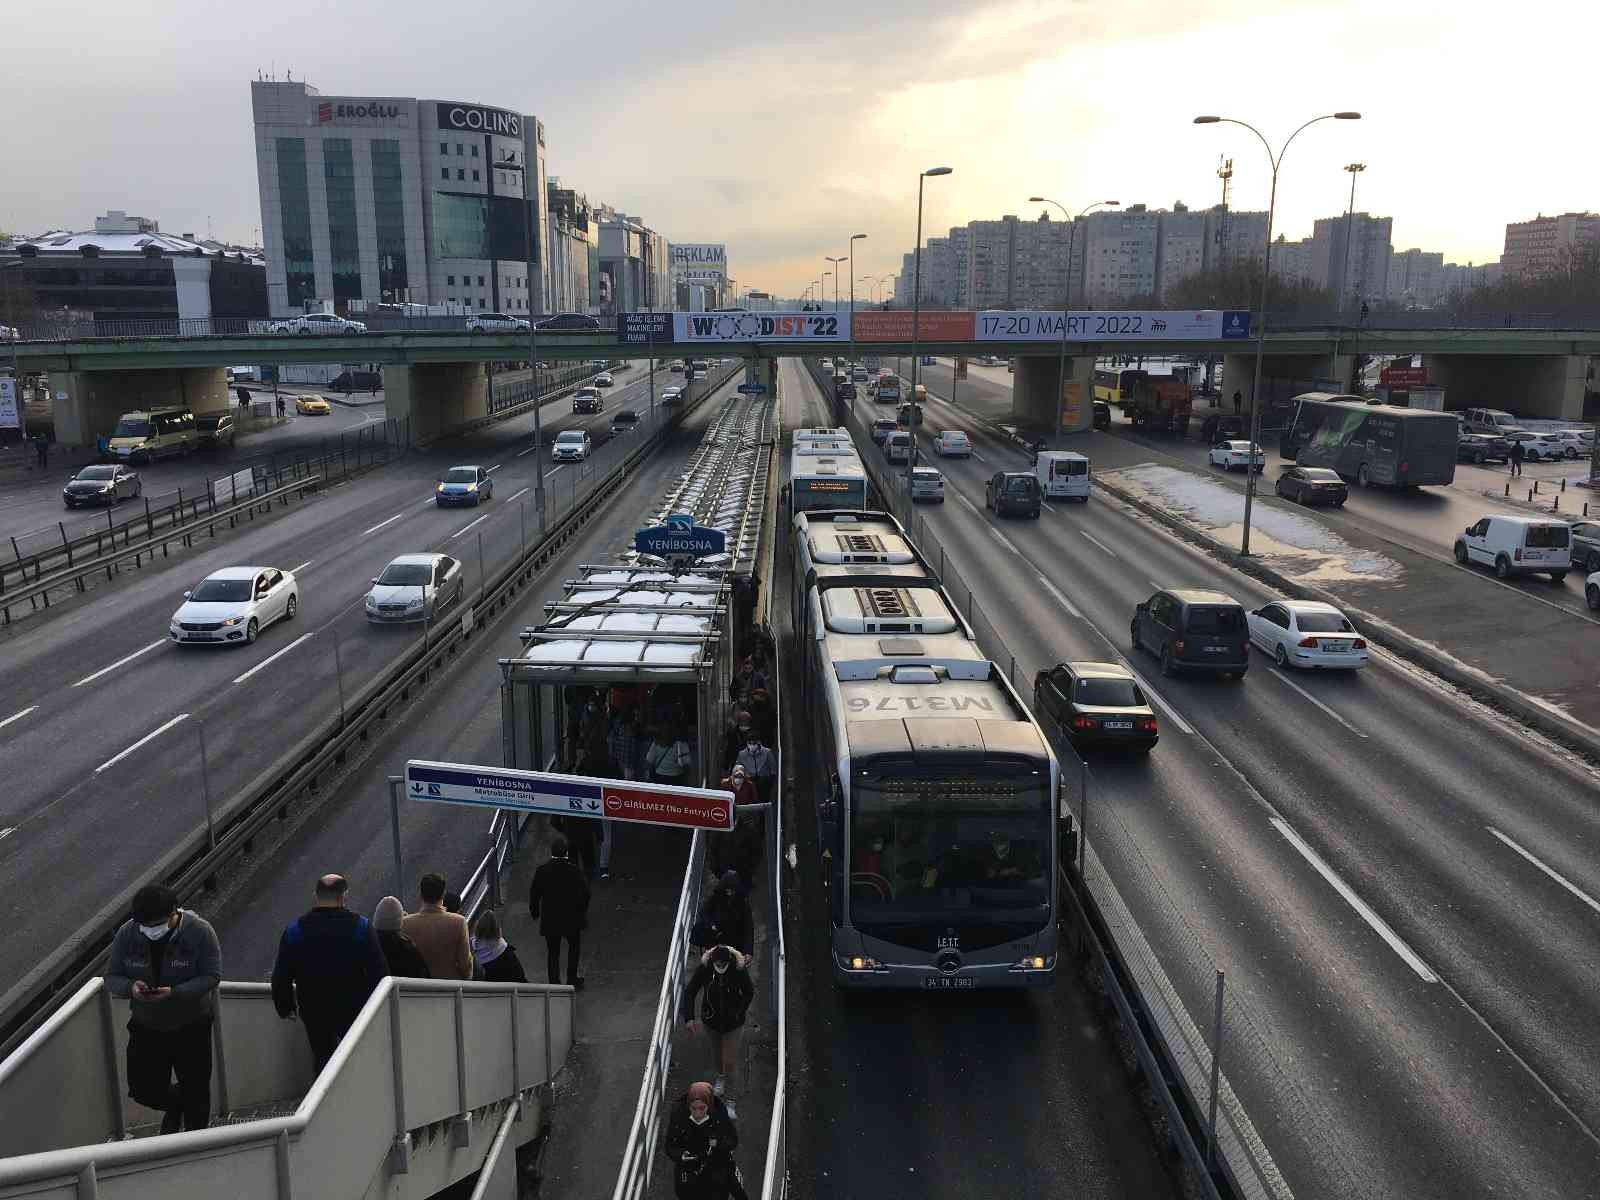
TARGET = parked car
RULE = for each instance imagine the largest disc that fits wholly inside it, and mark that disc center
(882, 428)
(315, 323)
(604, 380)
(927, 484)
(152, 434)
(1312, 485)
(1489, 420)
(952, 442)
(626, 421)
(1307, 634)
(101, 484)
(569, 321)
(464, 485)
(1538, 447)
(1482, 447)
(1585, 549)
(494, 322)
(1518, 545)
(1096, 703)
(1575, 443)
(234, 605)
(1013, 492)
(311, 405)
(571, 445)
(587, 400)
(1102, 415)
(214, 429)
(1193, 629)
(1231, 455)
(415, 587)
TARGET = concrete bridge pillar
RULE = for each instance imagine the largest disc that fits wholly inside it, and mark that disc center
(1549, 386)
(95, 399)
(437, 398)
(1039, 393)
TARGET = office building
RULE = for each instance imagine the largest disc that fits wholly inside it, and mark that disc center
(1542, 245)
(574, 250)
(635, 265)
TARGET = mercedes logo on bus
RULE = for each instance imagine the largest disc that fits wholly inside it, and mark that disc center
(948, 961)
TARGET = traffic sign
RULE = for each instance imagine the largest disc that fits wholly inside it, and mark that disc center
(680, 537)
(568, 795)
(753, 389)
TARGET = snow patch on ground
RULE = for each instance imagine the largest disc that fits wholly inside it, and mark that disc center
(1295, 543)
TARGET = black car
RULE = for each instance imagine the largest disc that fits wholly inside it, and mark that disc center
(1013, 492)
(101, 484)
(1102, 415)
(356, 381)
(569, 321)
(587, 400)
(1193, 629)
(626, 421)
(845, 391)
(1218, 428)
(1312, 485)
(1482, 448)
(910, 414)
(1096, 703)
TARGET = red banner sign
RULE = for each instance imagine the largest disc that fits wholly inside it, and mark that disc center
(690, 808)
(1403, 376)
(896, 326)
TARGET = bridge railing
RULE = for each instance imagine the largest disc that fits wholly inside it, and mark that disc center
(79, 327)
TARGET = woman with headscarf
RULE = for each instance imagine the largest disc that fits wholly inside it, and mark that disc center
(399, 951)
(494, 960)
(701, 1138)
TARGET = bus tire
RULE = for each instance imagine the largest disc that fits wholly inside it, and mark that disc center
(1364, 479)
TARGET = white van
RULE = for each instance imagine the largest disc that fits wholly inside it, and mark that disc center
(1063, 473)
(1517, 545)
(897, 447)
(1488, 420)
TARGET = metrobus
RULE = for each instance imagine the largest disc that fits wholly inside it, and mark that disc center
(821, 434)
(1371, 443)
(826, 475)
(935, 789)
(1118, 385)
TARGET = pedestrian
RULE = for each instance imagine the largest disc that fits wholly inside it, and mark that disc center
(166, 963)
(740, 848)
(1238, 402)
(283, 406)
(759, 763)
(622, 743)
(41, 448)
(725, 918)
(329, 960)
(374, 382)
(496, 958)
(667, 759)
(440, 935)
(399, 951)
(583, 841)
(701, 1139)
(559, 900)
(722, 981)
(452, 902)
(1516, 456)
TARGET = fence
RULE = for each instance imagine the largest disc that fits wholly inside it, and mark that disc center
(47, 328)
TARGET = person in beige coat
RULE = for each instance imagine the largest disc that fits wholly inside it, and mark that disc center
(441, 936)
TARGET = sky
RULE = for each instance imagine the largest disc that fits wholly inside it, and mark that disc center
(782, 129)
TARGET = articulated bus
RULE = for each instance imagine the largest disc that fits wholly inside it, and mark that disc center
(1372, 443)
(936, 791)
(826, 474)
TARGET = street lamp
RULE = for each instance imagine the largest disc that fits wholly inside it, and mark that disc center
(1276, 160)
(916, 315)
(1344, 279)
(1066, 302)
(836, 262)
(854, 238)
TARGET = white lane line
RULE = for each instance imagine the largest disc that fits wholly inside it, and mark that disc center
(979, 457)
(1318, 703)
(1047, 505)
(301, 567)
(18, 716)
(1158, 586)
(1059, 597)
(1548, 870)
(267, 662)
(479, 521)
(1144, 686)
(529, 450)
(149, 737)
(7, 832)
(491, 470)
(1363, 910)
(119, 663)
(514, 495)
(381, 524)
(429, 502)
(1096, 541)
(547, 474)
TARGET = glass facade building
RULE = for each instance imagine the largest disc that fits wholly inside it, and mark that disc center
(294, 199)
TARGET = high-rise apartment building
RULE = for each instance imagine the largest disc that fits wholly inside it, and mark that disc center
(991, 262)
(1120, 255)
(1541, 245)
(1041, 267)
(1184, 246)
(1416, 278)
(1364, 272)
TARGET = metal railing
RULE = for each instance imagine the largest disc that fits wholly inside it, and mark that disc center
(47, 328)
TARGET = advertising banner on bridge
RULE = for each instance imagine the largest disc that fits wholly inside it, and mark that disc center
(762, 327)
(931, 326)
(643, 329)
(700, 262)
(1044, 325)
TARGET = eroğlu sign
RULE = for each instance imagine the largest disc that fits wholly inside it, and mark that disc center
(370, 110)
(470, 118)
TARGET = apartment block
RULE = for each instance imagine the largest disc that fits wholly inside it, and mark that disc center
(1538, 246)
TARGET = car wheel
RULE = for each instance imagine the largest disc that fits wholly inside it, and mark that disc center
(1277, 489)
(1461, 553)
(1168, 667)
(1281, 657)
(1364, 479)
(1592, 594)
(1477, 457)
(291, 608)
(251, 632)
(1502, 567)
(1594, 562)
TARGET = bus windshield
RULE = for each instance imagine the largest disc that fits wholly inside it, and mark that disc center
(131, 429)
(925, 848)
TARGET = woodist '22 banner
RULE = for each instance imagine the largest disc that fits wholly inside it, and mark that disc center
(761, 327)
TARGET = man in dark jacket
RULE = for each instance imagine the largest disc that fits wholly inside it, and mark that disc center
(329, 960)
(701, 1139)
(166, 962)
(722, 982)
(725, 918)
(399, 951)
(559, 901)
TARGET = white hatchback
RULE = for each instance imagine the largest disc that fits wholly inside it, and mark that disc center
(952, 442)
(1231, 455)
(927, 484)
(1308, 634)
(571, 445)
(235, 604)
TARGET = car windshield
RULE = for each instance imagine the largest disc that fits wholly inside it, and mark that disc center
(406, 574)
(1321, 475)
(1020, 486)
(1547, 536)
(461, 475)
(1214, 620)
(925, 474)
(1323, 622)
(1108, 692)
(625, 418)
(98, 473)
(571, 435)
(131, 429)
(214, 591)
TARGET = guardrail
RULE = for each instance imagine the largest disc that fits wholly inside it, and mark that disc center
(298, 776)
(75, 329)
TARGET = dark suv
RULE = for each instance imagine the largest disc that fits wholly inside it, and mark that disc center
(1013, 492)
(1193, 629)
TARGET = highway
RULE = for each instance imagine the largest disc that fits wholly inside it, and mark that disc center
(1400, 887)
(100, 728)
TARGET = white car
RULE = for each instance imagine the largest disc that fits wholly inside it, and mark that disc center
(235, 604)
(927, 484)
(952, 442)
(1307, 634)
(493, 322)
(325, 323)
(671, 395)
(571, 445)
(1231, 455)
(1575, 443)
(1591, 591)
(604, 380)
(1540, 447)
(10, 333)
(414, 587)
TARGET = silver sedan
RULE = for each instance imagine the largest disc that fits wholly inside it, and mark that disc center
(415, 587)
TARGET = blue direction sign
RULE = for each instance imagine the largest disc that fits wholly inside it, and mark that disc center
(753, 389)
(569, 795)
(680, 537)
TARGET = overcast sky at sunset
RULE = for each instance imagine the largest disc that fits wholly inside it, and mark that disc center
(781, 129)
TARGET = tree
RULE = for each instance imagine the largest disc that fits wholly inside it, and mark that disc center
(1237, 284)
(1571, 288)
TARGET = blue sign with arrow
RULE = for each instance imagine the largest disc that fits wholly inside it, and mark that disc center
(680, 537)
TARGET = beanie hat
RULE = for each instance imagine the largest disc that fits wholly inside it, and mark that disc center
(388, 914)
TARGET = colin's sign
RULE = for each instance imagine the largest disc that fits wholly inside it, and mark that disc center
(470, 118)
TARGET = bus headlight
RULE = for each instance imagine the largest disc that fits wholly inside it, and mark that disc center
(1035, 962)
(860, 962)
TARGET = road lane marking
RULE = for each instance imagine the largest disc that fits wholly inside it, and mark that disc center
(979, 457)
(529, 450)
(479, 521)
(1158, 586)
(119, 663)
(18, 716)
(1046, 503)
(1363, 910)
(547, 474)
(7, 832)
(491, 470)
(381, 524)
(267, 662)
(1060, 597)
(149, 737)
(1161, 702)
(1099, 543)
(1548, 870)
(301, 567)
(515, 495)
(1318, 703)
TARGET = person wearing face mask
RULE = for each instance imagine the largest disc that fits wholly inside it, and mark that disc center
(725, 918)
(166, 962)
(701, 1138)
(759, 763)
(723, 985)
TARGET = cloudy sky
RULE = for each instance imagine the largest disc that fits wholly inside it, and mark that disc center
(781, 129)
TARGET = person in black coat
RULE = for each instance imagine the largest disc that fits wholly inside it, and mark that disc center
(399, 951)
(701, 1139)
(494, 960)
(328, 962)
(725, 918)
(559, 901)
(722, 982)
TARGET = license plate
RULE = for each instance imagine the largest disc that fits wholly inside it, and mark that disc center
(1215, 649)
(949, 981)
(200, 637)
(1118, 724)
(1336, 645)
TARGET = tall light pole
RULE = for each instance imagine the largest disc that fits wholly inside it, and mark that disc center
(854, 238)
(1276, 160)
(916, 317)
(836, 262)
(528, 180)
(1344, 277)
(1066, 300)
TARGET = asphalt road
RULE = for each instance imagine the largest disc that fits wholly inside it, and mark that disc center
(1400, 888)
(99, 733)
